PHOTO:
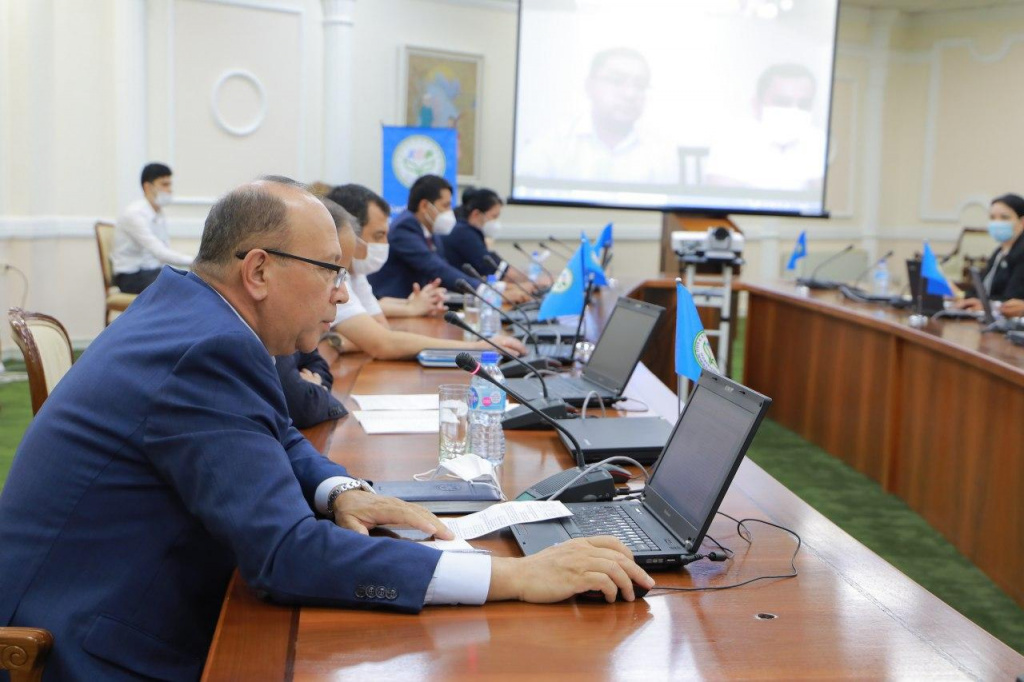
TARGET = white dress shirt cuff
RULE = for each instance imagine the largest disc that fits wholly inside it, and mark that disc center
(323, 491)
(460, 578)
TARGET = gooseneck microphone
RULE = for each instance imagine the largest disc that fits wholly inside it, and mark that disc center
(467, 288)
(813, 282)
(494, 264)
(453, 319)
(561, 255)
(468, 363)
(473, 272)
(555, 240)
(520, 249)
(887, 256)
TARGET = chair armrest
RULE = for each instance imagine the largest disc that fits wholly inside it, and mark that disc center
(23, 651)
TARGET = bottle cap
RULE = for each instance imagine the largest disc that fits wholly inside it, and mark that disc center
(489, 357)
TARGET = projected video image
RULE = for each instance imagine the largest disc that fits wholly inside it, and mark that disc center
(719, 105)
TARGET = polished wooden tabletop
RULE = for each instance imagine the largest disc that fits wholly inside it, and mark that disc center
(848, 614)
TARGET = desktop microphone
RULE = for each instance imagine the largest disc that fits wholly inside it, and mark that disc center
(552, 238)
(530, 256)
(561, 255)
(494, 264)
(468, 363)
(887, 256)
(813, 282)
(473, 272)
(519, 417)
(467, 288)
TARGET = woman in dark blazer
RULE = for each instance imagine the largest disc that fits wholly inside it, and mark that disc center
(1003, 276)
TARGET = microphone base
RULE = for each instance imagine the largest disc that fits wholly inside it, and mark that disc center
(513, 370)
(817, 283)
(523, 417)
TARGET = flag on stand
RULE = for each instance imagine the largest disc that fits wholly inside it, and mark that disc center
(591, 264)
(936, 281)
(693, 351)
(566, 294)
(799, 251)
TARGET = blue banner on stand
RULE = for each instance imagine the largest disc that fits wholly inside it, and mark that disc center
(410, 153)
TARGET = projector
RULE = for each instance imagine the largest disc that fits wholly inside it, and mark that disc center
(717, 244)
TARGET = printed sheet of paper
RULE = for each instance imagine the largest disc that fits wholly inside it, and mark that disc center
(456, 545)
(503, 515)
(409, 421)
(397, 402)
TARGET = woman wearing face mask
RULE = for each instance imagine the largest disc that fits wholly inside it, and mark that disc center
(478, 220)
(1004, 274)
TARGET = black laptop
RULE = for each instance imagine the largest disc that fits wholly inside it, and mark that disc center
(615, 356)
(665, 528)
(642, 438)
(930, 303)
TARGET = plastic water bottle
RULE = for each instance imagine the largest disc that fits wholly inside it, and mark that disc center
(490, 320)
(534, 271)
(486, 410)
(880, 279)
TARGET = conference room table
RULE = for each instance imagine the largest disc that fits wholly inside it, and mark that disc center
(933, 414)
(848, 614)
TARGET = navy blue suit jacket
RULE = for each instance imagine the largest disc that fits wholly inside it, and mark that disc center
(466, 245)
(162, 460)
(309, 404)
(412, 260)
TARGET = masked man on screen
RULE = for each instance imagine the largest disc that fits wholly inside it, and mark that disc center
(780, 148)
(607, 143)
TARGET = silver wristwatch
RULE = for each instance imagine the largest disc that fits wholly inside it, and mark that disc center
(343, 487)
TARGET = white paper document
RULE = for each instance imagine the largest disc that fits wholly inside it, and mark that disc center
(503, 515)
(456, 545)
(409, 421)
(398, 402)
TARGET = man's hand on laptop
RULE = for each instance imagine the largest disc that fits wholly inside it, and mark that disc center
(508, 343)
(600, 563)
(360, 511)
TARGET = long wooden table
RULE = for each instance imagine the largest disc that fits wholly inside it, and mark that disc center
(935, 415)
(848, 614)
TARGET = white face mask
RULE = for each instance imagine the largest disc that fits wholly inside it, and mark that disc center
(444, 222)
(163, 198)
(785, 125)
(492, 228)
(376, 257)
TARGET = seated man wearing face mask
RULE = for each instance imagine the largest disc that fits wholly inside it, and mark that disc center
(371, 213)
(416, 252)
(478, 220)
(141, 243)
(357, 330)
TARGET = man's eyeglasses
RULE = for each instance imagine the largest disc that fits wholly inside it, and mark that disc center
(340, 273)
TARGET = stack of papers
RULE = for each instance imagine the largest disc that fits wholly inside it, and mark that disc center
(389, 413)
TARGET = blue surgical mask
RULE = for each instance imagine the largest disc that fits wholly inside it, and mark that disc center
(1001, 230)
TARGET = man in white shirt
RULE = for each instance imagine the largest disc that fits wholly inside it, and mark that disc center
(358, 330)
(141, 242)
(608, 143)
(780, 148)
(371, 212)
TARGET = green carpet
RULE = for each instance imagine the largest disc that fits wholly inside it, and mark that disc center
(850, 500)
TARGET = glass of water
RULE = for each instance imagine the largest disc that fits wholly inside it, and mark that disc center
(471, 316)
(453, 413)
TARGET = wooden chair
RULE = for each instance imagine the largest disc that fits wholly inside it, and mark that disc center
(116, 300)
(23, 652)
(47, 349)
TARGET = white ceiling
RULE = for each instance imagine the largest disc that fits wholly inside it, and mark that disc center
(931, 5)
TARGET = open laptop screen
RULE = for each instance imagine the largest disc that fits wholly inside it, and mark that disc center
(703, 453)
(623, 341)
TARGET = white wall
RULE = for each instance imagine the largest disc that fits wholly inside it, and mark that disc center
(923, 123)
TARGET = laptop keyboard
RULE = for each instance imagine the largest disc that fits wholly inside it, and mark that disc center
(611, 520)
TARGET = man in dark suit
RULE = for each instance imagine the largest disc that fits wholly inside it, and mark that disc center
(416, 253)
(306, 381)
(165, 458)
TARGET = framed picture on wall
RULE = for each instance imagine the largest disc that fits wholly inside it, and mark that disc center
(440, 89)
